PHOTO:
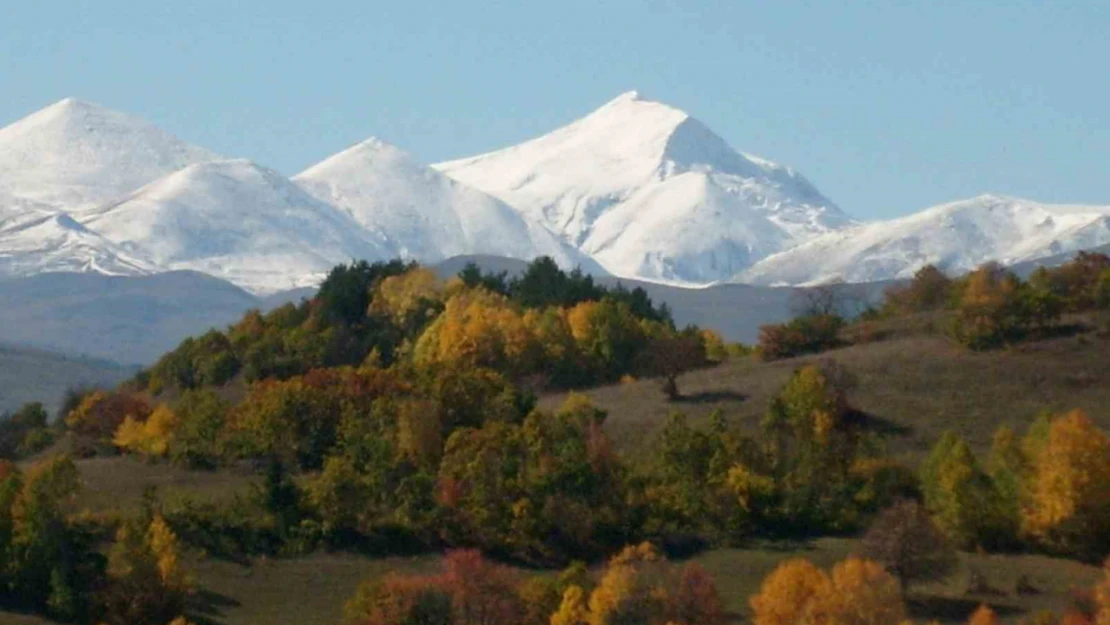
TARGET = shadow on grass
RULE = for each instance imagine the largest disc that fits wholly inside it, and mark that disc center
(206, 607)
(708, 397)
(952, 608)
(878, 425)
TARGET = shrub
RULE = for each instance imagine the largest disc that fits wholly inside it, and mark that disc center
(805, 335)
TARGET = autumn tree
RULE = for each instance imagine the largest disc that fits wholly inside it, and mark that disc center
(631, 590)
(857, 592)
(147, 583)
(791, 594)
(201, 417)
(481, 592)
(808, 334)
(667, 357)
(905, 540)
(100, 414)
(930, 289)
(694, 599)
(812, 443)
(983, 615)
(51, 564)
(1070, 488)
(151, 438)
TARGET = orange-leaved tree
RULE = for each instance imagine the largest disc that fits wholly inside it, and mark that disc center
(857, 592)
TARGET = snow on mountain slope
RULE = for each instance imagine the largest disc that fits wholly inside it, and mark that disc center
(651, 192)
(75, 155)
(237, 221)
(40, 241)
(955, 237)
(424, 214)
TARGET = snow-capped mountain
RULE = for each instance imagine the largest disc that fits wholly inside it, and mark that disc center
(651, 192)
(74, 155)
(424, 214)
(637, 187)
(956, 237)
(237, 221)
(41, 241)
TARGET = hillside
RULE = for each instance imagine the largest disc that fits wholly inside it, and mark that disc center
(28, 375)
(912, 388)
(129, 319)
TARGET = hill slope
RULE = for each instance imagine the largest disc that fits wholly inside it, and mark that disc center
(28, 375)
(651, 192)
(956, 237)
(124, 319)
(913, 388)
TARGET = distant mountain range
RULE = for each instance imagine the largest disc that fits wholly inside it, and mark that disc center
(635, 189)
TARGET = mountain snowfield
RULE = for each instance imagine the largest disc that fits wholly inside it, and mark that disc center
(238, 221)
(75, 155)
(637, 188)
(85, 188)
(651, 192)
(956, 237)
(424, 214)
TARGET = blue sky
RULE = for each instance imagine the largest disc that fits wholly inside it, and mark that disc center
(887, 107)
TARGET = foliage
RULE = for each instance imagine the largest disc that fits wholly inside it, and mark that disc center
(967, 504)
(808, 334)
(906, 541)
(146, 581)
(857, 592)
(100, 414)
(543, 490)
(25, 432)
(813, 443)
(929, 290)
(50, 565)
(151, 438)
(1069, 507)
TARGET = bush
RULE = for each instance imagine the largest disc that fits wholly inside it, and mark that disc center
(805, 335)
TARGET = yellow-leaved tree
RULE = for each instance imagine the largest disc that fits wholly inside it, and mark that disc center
(1069, 507)
(152, 437)
(572, 609)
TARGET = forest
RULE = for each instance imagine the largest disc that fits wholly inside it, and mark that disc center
(396, 414)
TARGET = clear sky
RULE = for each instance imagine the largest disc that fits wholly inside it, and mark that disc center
(887, 107)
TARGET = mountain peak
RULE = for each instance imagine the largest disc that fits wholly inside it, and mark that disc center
(652, 192)
(632, 95)
(76, 155)
(74, 104)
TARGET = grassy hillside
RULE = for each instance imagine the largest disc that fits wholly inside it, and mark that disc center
(242, 595)
(37, 375)
(312, 590)
(914, 388)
